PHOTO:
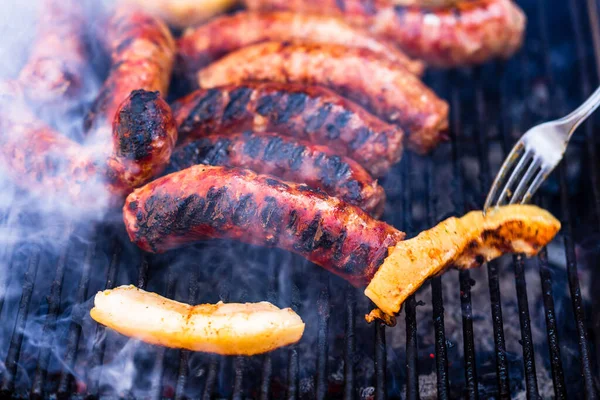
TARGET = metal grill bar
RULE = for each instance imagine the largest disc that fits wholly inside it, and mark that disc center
(412, 377)
(380, 362)
(492, 267)
(182, 372)
(577, 302)
(53, 308)
(238, 377)
(323, 310)
(349, 348)
(99, 344)
(525, 322)
(12, 358)
(558, 378)
(75, 328)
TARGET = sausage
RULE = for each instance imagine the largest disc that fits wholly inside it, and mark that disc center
(469, 32)
(142, 51)
(144, 135)
(184, 13)
(309, 113)
(204, 202)
(44, 161)
(199, 46)
(287, 159)
(222, 328)
(389, 91)
(56, 71)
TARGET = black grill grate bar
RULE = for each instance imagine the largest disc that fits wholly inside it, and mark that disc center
(380, 362)
(292, 388)
(485, 180)
(74, 333)
(412, 377)
(211, 377)
(8, 277)
(37, 388)
(441, 353)
(182, 372)
(100, 344)
(525, 322)
(158, 367)
(12, 358)
(238, 378)
(577, 302)
(584, 74)
(349, 343)
(558, 378)
(323, 310)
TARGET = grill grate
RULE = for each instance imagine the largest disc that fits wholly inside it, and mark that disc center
(371, 364)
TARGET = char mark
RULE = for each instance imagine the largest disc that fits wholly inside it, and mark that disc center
(362, 135)
(238, 100)
(271, 217)
(204, 110)
(358, 259)
(268, 103)
(295, 105)
(140, 122)
(315, 121)
(244, 211)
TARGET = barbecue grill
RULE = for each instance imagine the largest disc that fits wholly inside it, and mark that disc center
(510, 329)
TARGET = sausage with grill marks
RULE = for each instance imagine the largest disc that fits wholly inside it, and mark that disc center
(288, 159)
(42, 160)
(204, 202)
(389, 91)
(199, 46)
(310, 113)
(142, 51)
(468, 32)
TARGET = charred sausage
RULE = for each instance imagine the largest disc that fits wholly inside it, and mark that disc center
(144, 134)
(142, 52)
(218, 202)
(389, 91)
(202, 45)
(57, 71)
(468, 32)
(44, 161)
(288, 159)
(310, 113)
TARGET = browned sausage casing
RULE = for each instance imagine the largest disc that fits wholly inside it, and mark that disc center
(57, 65)
(45, 162)
(204, 44)
(204, 202)
(389, 91)
(288, 159)
(310, 113)
(142, 52)
(144, 134)
(469, 32)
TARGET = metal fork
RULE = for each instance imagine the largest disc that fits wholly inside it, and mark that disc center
(535, 155)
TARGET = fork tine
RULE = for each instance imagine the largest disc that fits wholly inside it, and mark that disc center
(514, 176)
(501, 176)
(523, 184)
(535, 184)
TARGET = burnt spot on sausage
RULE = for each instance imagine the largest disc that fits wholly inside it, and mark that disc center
(362, 135)
(293, 219)
(332, 169)
(217, 207)
(188, 211)
(133, 205)
(204, 110)
(353, 190)
(358, 259)
(338, 245)
(276, 184)
(238, 99)
(316, 121)
(268, 103)
(341, 4)
(271, 217)
(295, 105)
(311, 190)
(253, 146)
(124, 44)
(272, 147)
(342, 119)
(244, 211)
(296, 157)
(139, 122)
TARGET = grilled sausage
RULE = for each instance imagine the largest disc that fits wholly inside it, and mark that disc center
(58, 65)
(202, 45)
(287, 159)
(142, 52)
(310, 113)
(144, 134)
(44, 161)
(389, 91)
(183, 13)
(218, 202)
(470, 32)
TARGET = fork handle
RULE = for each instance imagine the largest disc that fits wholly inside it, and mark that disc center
(574, 119)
